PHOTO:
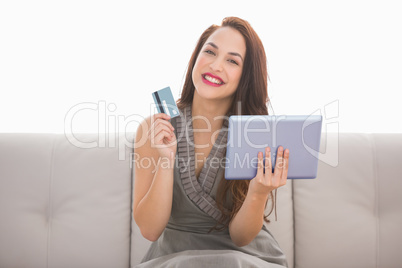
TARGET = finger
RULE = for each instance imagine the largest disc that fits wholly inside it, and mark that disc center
(279, 163)
(168, 132)
(161, 136)
(164, 125)
(260, 169)
(285, 167)
(268, 163)
(164, 122)
(159, 133)
(154, 132)
(268, 167)
(161, 116)
(158, 125)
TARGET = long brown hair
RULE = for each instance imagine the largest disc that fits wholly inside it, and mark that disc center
(251, 93)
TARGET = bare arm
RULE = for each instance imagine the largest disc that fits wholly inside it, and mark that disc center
(153, 179)
(248, 221)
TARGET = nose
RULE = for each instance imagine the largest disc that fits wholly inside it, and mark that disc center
(216, 65)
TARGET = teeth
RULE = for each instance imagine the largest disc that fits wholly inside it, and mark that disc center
(213, 80)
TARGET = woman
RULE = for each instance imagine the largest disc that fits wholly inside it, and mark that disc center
(194, 216)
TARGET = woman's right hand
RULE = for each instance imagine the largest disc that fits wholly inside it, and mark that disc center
(162, 137)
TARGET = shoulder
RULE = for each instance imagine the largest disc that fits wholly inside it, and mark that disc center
(142, 142)
(142, 131)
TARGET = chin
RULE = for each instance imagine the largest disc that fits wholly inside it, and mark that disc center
(212, 96)
(211, 93)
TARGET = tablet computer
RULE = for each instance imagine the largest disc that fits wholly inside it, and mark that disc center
(250, 134)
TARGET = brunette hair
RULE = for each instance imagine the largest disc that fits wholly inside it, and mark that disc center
(251, 93)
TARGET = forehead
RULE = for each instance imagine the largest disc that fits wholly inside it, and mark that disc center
(228, 40)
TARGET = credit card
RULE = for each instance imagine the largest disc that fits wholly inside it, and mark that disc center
(165, 102)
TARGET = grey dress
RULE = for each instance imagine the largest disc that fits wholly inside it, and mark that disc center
(185, 242)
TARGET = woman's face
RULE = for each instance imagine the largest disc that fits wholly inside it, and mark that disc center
(218, 68)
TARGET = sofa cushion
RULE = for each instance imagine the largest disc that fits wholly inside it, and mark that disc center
(62, 205)
(349, 216)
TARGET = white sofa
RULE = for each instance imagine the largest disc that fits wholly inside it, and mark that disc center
(63, 205)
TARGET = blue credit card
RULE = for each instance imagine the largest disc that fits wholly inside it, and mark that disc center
(165, 102)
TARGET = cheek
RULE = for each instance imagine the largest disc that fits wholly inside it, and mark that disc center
(196, 70)
(236, 74)
(199, 62)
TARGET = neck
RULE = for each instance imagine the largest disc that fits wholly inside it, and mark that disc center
(209, 113)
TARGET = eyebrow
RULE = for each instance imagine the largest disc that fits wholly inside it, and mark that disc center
(231, 53)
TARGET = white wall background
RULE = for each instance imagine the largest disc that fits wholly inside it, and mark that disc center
(60, 59)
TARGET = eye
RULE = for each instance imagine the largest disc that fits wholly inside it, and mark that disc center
(209, 52)
(233, 61)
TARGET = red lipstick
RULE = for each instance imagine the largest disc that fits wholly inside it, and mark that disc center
(216, 80)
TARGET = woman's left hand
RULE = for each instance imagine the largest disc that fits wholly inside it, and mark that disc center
(263, 183)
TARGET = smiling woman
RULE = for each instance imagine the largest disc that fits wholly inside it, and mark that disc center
(195, 217)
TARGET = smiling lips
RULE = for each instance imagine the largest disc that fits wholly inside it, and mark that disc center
(212, 80)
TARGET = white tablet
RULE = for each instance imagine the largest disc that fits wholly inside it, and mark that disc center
(250, 134)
